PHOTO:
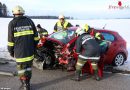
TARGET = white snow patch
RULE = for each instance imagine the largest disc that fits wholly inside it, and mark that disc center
(119, 25)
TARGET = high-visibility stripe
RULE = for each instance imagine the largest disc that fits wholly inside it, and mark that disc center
(96, 58)
(25, 59)
(65, 24)
(21, 71)
(79, 64)
(28, 69)
(23, 33)
(87, 39)
(24, 70)
(36, 38)
(10, 44)
(44, 33)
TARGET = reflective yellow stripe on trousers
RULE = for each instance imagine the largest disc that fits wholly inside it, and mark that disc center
(36, 38)
(10, 44)
(24, 70)
(25, 59)
(23, 33)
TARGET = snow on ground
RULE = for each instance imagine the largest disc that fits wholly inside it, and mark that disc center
(119, 25)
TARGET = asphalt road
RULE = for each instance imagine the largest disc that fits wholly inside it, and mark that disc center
(60, 80)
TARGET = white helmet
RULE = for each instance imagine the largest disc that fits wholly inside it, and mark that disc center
(18, 10)
(79, 31)
(61, 16)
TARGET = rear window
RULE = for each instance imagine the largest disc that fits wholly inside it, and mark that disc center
(108, 36)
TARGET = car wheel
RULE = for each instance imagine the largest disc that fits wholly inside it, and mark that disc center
(43, 59)
(119, 59)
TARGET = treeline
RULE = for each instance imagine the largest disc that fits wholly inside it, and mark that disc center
(4, 13)
(48, 17)
(3, 10)
(43, 17)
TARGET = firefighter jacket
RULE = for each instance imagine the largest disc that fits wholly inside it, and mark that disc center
(22, 38)
(61, 26)
(42, 32)
(87, 47)
(96, 34)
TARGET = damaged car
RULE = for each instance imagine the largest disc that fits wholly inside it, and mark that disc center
(58, 50)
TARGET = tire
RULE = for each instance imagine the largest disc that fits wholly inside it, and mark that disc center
(43, 59)
(119, 59)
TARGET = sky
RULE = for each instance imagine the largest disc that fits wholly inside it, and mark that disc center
(81, 9)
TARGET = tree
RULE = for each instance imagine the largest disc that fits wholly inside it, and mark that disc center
(0, 9)
(4, 10)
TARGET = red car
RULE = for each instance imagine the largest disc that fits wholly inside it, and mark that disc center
(59, 49)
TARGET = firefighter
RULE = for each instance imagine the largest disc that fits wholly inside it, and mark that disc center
(42, 32)
(99, 38)
(62, 24)
(92, 32)
(87, 48)
(22, 41)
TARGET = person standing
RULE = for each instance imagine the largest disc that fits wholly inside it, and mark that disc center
(22, 42)
(62, 24)
(87, 48)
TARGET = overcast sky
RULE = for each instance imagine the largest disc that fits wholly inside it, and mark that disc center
(82, 9)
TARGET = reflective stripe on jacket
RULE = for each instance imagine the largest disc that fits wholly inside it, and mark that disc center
(58, 26)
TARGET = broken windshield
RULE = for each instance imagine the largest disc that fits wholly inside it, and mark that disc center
(63, 36)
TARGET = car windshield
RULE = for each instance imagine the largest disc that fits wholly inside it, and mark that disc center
(63, 36)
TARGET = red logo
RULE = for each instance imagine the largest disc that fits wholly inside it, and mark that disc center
(120, 3)
(119, 6)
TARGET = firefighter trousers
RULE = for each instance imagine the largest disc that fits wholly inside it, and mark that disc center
(25, 69)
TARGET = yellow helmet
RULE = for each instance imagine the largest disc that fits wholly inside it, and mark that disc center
(18, 10)
(86, 27)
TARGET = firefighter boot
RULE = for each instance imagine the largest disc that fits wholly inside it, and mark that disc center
(96, 75)
(77, 76)
(25, 85)
(95, 68)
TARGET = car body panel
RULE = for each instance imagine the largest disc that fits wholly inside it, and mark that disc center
(66, 41)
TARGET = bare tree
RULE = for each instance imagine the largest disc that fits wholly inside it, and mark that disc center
(4, 10)
(0, 9)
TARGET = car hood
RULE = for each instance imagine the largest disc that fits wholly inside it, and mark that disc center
(55, 41)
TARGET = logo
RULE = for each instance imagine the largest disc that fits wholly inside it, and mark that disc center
(119, 5)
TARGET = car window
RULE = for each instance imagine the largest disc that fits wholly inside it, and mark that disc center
(71, 34)
(63, 36)
(108, 36)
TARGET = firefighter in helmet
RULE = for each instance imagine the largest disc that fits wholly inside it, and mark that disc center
(87, 48)
(92, 32)
(42, 32)
(99, 38)
(22, 41)
(62, 24)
